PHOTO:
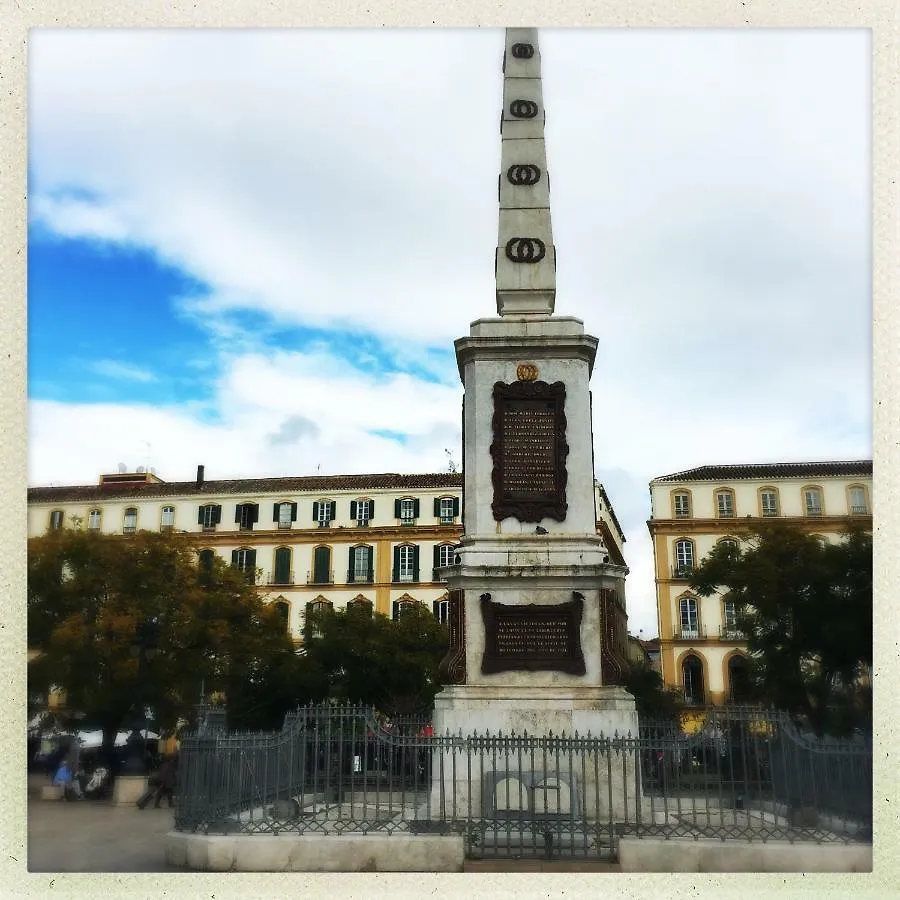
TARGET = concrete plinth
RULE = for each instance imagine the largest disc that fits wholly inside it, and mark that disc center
(127, 789)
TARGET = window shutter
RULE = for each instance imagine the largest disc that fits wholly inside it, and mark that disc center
(234, 557)
(352, 509)
(456, 506)
(416, 508)
(293, 512)
(395, 575)
(275, 512)
(255, 510)
(371, 509)
(435, 607)
(237, 512)
(415, 563)
(330, 510)
(370, 554)
(251, 560)
(350, 567)
(437, 506)
(437, 555)
(316, 511)
(217, 514)
(395, 611)
(396, 509)
(200, 515)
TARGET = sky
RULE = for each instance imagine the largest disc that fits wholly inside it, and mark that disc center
(254, 249)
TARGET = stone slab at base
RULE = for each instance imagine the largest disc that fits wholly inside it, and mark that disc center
(127, 789)
(660, 855)
(315, 852)
(51, 792)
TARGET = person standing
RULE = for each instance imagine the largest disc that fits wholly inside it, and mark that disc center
(162, 784)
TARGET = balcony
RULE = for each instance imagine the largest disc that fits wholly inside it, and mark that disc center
(731, 633)
(447, 520)
(279, 578)
(285, 526)
(362, 523)
(360, 577)
(814, 511)
(726, 514)
(682, 514)
(320, 577)
(690, 634)
(407, 521)
(683, 571)
(129, 529)
(859, 510)
(208, 528)
(326, 523)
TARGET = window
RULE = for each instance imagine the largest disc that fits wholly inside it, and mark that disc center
(244, 560)
(730, 629)
(402, 606)
(322, 573)
(406, 563)
(768, 500)
(323, 512)
(283, 608)
(858, 504)
(246, 515)
(684, 558)
(406, 510)
(730, 543)
(738, 679)
(441, 610)
(692, 678)
(813, 501)
(361, 511)
(360, 605)
(205, 559)
(446, 509)
(282, 573)
(209, 516)
(316, 611)
(682, 502)
(284, 514)
(444, 555)
(688, 613)
(94, 520)
(360, 568)
(56, 519)
(167, 518)
(725, 504)
(130, 524)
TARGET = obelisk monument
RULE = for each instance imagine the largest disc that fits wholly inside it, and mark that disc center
(526, 622)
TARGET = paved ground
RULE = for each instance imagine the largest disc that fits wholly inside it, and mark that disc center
(90, 836)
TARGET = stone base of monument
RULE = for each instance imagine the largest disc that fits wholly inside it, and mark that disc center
(127, 789)
(530, 777)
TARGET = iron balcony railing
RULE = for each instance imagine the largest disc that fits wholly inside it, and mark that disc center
(320, 577)
(690, 634)
(682, 571)
(747, 774)
(279, 578)
(731, 633)
(859, 510)
(354, 577)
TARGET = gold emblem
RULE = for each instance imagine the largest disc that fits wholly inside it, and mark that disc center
(526, 372)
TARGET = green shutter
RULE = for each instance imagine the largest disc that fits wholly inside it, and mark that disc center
(396, 509)
(316, 511)
(234, 557)
(416, 562)
(352, 510)
(456, 506)
(321, 565)
(237, 512)
(282, 565)
(437, 555)
(350, 575)
(395, 574)
(395, 611)
(416, 508)
(254, 509)
(293, 512)
(437, 506)
(275, 512)
(371, 509)
(200, 515)
(370, 562)
(217, 514)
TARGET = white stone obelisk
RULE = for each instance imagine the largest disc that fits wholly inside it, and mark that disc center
(530, 537)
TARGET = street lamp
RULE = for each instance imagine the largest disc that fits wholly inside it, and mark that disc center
(143, 647)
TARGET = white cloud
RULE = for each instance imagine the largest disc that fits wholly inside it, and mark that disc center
(113, 368)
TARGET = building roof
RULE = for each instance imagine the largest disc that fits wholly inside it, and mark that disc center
(247, 486)
(767, 471)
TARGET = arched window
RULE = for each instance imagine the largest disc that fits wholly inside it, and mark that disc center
(441, 609)
(446, 509)
(244, 560)
(692, 679)
(316, 610)
(690, 624)
(167, 518)
(56, 520)
(205, 559)
(282, 573)
(857, 500)
(361, 605)
(129, 526)
(406, 563)
(361, 568)
(768, 501)
(401, 606)
(361, 511)
(730, 630)
(323, 513)
(725, 503)
(681, 504)
(812, 501)
(729, 542)
(284, 514)
(684, 559)
(739, 679)
(94, 520)
(443, 556)
(406, 510)
(322, 573)
(283, 608)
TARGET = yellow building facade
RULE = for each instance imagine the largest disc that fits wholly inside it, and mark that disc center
(702, 652)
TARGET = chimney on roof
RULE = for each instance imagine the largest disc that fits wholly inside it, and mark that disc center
(199, 476)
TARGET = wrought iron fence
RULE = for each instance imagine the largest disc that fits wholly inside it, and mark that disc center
(745, 774)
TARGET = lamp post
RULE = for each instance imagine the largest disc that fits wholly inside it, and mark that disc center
(143, 647)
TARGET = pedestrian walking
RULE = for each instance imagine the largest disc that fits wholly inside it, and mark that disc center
(161, 784)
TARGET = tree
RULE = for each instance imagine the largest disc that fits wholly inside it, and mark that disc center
(369, 658)
(805, 607)
(124, 622)
(651, 697)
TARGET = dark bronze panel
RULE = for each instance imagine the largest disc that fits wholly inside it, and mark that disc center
(452, 668)
(529, 451)
(532, 637)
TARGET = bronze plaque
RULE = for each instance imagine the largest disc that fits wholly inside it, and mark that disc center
(532, 637)
(529, 451)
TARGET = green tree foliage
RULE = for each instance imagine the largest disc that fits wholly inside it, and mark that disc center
(369, 658)
(651, 697)
(806, 609)
(93, 599)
